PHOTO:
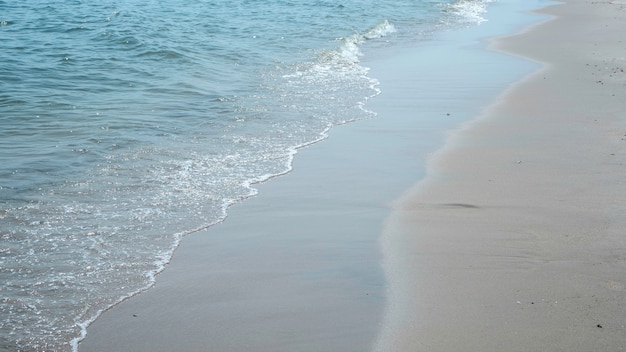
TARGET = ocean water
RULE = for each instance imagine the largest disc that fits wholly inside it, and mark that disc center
(127, 125)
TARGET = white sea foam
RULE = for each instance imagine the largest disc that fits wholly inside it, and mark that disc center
(469, 11)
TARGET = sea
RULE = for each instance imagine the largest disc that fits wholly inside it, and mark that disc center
(127, 125)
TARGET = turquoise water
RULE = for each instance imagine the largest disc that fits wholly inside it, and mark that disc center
(126, 125)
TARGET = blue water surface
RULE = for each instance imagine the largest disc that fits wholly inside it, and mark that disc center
(125, 125)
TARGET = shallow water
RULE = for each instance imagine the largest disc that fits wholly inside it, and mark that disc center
(125, 126)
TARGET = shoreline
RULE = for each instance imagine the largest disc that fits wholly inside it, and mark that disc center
(298, 266)
(514, 239)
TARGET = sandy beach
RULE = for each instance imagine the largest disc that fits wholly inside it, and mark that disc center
(512, 240)
(515, 240)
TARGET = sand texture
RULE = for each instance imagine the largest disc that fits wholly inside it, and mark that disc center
(516, 239)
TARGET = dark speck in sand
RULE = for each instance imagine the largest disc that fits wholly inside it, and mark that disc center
(462, 205)
(599, 326)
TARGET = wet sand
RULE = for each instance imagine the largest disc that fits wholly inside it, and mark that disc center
(516, 240)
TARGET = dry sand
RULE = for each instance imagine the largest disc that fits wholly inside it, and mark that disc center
(516, 240)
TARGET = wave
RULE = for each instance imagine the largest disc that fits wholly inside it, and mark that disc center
(350, 49)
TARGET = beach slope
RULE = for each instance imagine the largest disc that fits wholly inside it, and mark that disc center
(515, 240)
